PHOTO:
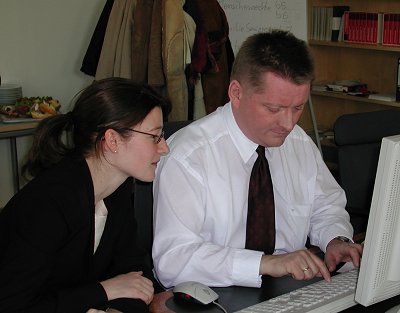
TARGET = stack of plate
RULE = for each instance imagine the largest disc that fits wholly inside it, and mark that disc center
(9, 93)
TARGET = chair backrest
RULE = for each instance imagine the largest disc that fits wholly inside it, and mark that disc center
(358, 137)
(143, 197)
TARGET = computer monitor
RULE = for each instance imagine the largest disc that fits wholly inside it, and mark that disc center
(379, 276)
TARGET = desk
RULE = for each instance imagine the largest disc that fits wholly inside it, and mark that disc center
(11, 131)
(237, 298)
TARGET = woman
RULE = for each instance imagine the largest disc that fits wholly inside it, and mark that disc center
(67, 239)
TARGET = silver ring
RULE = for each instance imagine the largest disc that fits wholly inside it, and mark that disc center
(306, 269)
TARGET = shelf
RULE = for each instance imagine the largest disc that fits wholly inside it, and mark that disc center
(373, 64)
(354, 98)
(349, 45)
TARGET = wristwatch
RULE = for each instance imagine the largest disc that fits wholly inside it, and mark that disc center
(342, 238)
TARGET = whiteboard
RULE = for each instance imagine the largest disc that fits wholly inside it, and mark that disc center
(247, 17)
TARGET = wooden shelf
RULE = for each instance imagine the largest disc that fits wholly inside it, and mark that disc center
(349, 45)
(374, 65)
(354, 98)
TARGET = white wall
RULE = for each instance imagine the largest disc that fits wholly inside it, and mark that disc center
(42, 44)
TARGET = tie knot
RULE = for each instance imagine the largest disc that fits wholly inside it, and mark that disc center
(261, 151)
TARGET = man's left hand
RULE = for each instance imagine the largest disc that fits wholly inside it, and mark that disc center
(339, 251)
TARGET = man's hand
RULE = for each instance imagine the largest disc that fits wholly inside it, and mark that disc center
(301, 265)
(338, 251)
(158, 305)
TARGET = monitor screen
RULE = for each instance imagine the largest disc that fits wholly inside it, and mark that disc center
(379, 276)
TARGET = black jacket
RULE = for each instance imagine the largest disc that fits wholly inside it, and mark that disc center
(46, 244)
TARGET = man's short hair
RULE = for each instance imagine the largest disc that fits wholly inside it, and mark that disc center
(277, 51)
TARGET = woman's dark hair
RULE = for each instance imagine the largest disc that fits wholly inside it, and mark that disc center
(277, 51)
(115, 103)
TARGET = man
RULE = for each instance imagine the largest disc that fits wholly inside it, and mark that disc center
(201, 189)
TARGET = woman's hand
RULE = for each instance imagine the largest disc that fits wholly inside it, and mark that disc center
(131, 285)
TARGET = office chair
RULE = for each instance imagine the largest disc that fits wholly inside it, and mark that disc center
(143, 198)
(358, 137)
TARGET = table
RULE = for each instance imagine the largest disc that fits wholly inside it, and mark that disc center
(11, 131)
(236, 298)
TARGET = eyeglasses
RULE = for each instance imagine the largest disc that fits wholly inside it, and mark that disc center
(156, 138)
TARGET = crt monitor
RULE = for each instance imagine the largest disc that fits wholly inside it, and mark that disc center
(379, 276)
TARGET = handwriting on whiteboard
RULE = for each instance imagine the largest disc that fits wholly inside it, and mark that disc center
(246, 17)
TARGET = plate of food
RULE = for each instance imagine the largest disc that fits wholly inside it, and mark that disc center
(28, 109)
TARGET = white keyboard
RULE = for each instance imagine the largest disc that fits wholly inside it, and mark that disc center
(317, 297)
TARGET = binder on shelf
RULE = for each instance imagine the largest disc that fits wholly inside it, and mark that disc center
(378, 28)
(346, 27)
(321, 23)
(314, 24)
(325, 26)
(391, 29)
(363, 27)
(398, 81)
(340, 36)
(337, 14)
(328, 23)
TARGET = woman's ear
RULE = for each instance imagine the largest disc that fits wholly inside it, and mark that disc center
(235, 92)
(111, 140)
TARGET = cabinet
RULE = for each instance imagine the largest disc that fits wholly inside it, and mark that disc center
(375, 65)
(11, 132)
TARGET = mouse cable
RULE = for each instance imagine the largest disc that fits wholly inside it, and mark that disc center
(220, 306)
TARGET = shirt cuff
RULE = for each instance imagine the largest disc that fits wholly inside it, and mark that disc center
(329, 237)
(246, 268)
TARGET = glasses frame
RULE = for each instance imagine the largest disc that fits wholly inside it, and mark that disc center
(156, 138)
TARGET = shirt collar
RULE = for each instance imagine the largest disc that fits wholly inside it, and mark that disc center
(245, 146)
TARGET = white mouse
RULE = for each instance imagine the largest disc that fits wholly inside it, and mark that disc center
(195, 292)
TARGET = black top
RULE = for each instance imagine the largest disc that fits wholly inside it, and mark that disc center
(47, 242)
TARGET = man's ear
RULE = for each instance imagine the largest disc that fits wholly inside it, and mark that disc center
(111, 140)
(235, 92)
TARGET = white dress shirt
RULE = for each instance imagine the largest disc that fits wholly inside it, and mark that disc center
(200, 202)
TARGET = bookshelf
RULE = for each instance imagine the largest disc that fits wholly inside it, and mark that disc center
(375, 65)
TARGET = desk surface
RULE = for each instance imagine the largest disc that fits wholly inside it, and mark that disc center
(12, 130)
(6, 127)
(236, 298)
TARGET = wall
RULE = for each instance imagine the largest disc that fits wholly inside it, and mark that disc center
(42, 44)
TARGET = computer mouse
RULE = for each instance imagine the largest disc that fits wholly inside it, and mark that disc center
(192, 291)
